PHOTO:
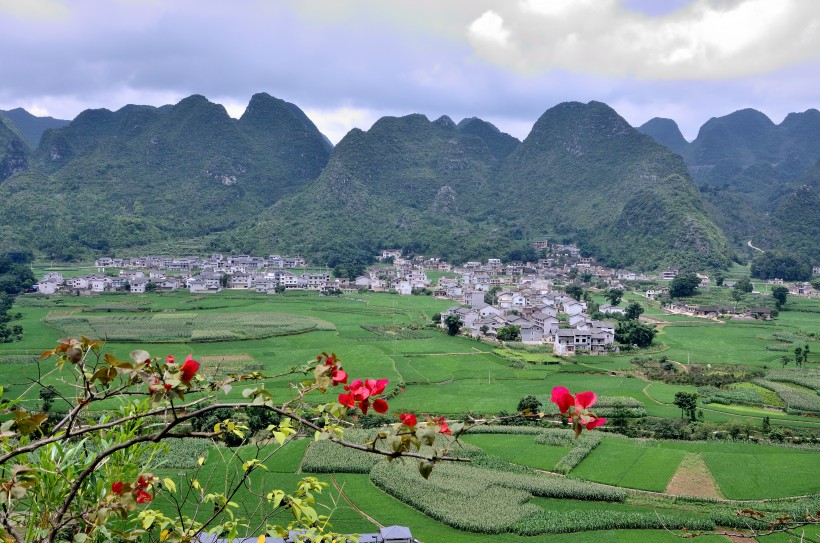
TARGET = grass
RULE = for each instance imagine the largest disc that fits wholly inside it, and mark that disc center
(621, 463)
(519, 449)
(755, 476)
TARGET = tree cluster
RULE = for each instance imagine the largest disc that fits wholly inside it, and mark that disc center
(778, 265)
(684, 284)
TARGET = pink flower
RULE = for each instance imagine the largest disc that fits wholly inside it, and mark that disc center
(169, 359)
(562, 398)
(338, 375)
(581, 416)
(585, 399)
(595, 423)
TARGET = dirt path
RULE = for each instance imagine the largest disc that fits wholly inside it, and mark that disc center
(749, 243)
(693, 478)
(353, 505)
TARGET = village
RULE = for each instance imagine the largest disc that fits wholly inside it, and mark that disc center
(491, 296)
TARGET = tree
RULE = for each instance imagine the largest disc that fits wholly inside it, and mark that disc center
(484, 329)
(279, 289)
(798, 356)
(453, 323)
(631, 332)
(744, 285)
(719, 278)
(574, 290)
(614, 295)
(436, 318)
(489, 296)
(223, 280)
(633, 311)
(688, 404)
(511, 332)
(684, 284)
(780, 293)
(529, 405)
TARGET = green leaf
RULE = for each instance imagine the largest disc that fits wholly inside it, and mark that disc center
(169, 484)
(426, 468)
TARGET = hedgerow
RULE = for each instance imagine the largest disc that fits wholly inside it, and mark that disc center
(557, 522)
(584, 445)
(605, 406)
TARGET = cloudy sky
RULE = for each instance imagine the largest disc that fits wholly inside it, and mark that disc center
(349, 62)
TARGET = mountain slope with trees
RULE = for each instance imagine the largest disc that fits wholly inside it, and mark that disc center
(32, 126)
(665, 132)
(584, 173)
(142, 174)
(14, 149)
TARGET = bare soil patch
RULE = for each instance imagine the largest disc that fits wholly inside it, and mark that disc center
(693, 478)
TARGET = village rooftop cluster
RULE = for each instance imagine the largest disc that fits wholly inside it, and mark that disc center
(522, 294)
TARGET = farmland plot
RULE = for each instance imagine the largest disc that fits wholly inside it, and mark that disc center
(183, 327)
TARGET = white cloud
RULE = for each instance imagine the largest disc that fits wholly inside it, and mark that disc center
(34, 109)
(490, 27)
(706, 39)
(35, 10)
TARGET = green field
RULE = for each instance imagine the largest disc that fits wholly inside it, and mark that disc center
(383, 335)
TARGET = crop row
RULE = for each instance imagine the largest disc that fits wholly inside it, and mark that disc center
(584, 445)
(726, 396)
(797, 400)
(805, 378)
(605, 406)
(482, 500)
(518, 430)
(557, 522)
(328, 457)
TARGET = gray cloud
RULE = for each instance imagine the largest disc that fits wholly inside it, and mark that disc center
(346, 62)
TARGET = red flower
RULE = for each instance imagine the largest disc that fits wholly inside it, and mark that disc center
(443, 428)
(380, 406)
(189, 369)
(595, 423)
(360, 392)
(562, 398)
(408, 419)
(169, 359)
(116, 488)
(144, 481)
(143, 496)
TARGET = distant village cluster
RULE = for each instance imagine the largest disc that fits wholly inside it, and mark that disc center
(491, 295)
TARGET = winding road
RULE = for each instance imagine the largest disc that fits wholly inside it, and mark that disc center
(749, 243)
